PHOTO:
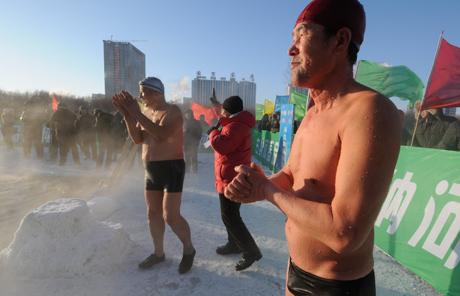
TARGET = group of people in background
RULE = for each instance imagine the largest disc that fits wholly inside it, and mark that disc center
(99, 135)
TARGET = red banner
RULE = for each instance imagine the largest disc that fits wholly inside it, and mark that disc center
(200, 110)
(55, 102)
(443, 90)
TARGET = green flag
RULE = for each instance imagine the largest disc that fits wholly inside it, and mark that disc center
(259, 111)
(397, 81)
(300, 102)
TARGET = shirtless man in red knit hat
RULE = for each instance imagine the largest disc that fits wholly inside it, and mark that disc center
(341, 163)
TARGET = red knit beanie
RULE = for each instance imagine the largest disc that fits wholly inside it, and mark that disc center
(337, 14)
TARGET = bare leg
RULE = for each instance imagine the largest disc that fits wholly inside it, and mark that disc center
(172, 216)
(154, 201)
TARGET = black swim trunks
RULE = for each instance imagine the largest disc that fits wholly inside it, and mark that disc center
(301, 282)
(164, 175)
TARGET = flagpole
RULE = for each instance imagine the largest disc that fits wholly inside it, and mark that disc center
(415, 128)
(426, 87)
(432, 68)
(357, 67)
(309, 102)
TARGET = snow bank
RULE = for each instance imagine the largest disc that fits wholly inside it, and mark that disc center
(62, 239)
(102, 206)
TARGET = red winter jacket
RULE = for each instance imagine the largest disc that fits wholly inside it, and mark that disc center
(232, 146)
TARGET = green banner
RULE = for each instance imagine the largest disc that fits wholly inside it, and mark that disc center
(397, 81)
(419, 223)
(301, 102)
(259, 111)
(18, 137)
(265, 146)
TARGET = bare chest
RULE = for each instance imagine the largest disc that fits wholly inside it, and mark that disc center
(156, 116)
(315, 155)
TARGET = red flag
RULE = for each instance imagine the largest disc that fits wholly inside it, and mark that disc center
(443, 89)
(55, 102)
(200, 110)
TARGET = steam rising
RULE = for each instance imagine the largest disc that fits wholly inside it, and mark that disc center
(180, 89)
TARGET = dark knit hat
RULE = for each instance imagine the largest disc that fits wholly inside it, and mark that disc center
(337, 14)
(233, 104)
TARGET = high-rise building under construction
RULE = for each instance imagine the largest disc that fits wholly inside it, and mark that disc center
(124, 67)
(202, 90)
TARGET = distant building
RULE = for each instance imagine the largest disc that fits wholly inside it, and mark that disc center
(291, 88)
(124, 67)
(450, 111)
(97, 96)
(187, 102)
(202, 90)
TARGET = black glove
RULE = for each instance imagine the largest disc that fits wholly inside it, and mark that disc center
(213, 98)
(211, 129)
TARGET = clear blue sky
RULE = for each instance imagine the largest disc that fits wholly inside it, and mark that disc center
(57, 45)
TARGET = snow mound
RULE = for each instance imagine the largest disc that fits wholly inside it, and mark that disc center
(48, 243)
(101, 207)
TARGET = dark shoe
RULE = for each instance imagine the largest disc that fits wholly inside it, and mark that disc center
(151, 261)
(247, 262)
(187, 262)
(227, 249)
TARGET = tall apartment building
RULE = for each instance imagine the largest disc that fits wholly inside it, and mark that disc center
(124, 67)
(202, 90)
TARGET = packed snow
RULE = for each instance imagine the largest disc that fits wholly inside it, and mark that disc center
(91, 244)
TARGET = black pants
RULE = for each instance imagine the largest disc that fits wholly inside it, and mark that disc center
(191, 158)
(237, 232)
(66, 144)
(105, 151)
(33, 137)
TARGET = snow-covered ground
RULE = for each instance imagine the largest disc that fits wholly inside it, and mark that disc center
(86, 241)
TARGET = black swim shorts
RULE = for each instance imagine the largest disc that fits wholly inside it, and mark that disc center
(301, 282)
(164, 175)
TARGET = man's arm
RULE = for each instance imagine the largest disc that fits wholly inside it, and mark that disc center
(170, 122)
(450, 139)
(133, 128)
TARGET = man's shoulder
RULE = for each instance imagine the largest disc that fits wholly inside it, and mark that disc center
(169, 109)
(367, 100)
(172, 108)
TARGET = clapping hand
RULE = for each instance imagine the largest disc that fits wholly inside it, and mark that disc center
(125, 103)
(248, 186)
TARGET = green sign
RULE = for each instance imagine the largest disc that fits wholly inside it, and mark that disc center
(265, 146)
(18, 136)
(419, 223)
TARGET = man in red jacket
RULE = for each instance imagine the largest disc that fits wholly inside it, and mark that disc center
(232, 146)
